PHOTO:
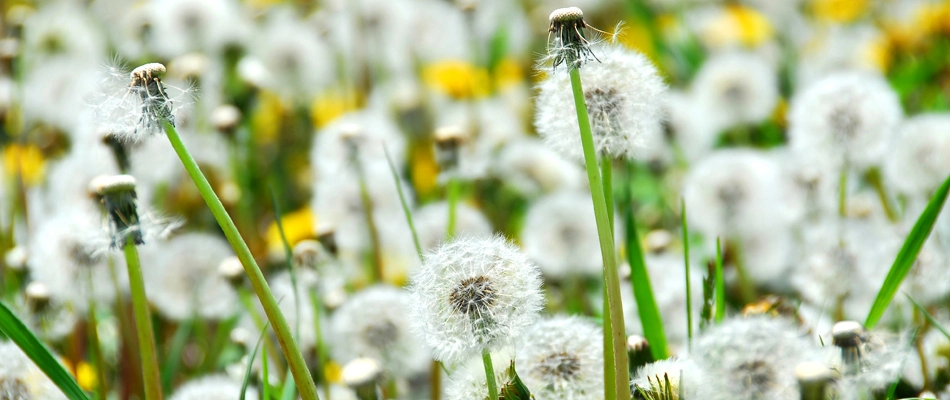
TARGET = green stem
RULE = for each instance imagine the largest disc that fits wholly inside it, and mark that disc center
(377, 271)
(295, 361)
(621, 389)
(435, 377)
(454, 191)
(102, 387)
(489, 374)
(720, 286)
(320, 345)
(689, 293)
(843, 193)
(143, 324)
(874, 177)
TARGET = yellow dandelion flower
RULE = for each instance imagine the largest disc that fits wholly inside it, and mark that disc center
(425, 170)
(333, 372)
(780, 112)
(26, 161)
(508, 72)
(267, 116)
(738, 24)
(458, 79)
(298, 225)
(86, 376)
(877, 53)
(839, 11)
(332, 104)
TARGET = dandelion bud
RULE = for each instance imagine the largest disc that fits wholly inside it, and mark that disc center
(232, 270)
(117, 194)
(448, 141)
(638, 352)
(361, 375)
(813, 378)
(16, 259)
(848, 336)
(37, 296)
(569, 46)
(225, 118)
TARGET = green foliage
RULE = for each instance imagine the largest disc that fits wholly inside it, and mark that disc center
(514, 389)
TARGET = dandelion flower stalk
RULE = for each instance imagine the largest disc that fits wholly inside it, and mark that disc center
(117, 194)
(288, 345)
(572, 50)
(448, 141)
(489, 374)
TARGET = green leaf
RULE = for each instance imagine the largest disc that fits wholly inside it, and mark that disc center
(929, 317)
(514, 389)
(647, 308)
(250, 361)
(14, 329)
(907, 254)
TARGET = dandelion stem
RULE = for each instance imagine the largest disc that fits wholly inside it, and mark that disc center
(143, 324)
(874, 178)
(454, 190)
(308, 390)
(489, 374)
(102, 387)
(620, 389)
(689, 293)
(843, 193)
(377, 271)
(720, 285)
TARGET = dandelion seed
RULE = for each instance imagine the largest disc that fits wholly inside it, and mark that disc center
(214, 387)
(563, 358)
(375, 323)
(473, 293)
(751, 358)
(624, 96)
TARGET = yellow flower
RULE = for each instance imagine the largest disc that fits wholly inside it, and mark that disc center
(86, 376)
(425, 171)
(26, 161)
(839, 11)
(739, 25)
(878, 53)
(298, 225)
(331, 105)
(266, 118)
(508, 72)
(333, 372)
(458, 79)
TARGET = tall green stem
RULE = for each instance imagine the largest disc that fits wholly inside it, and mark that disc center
(454, 190)
(720, 285)
(843, 193)
(689, 292)
(621, 389)
(143, 324)
(489, 374)
(295, 361)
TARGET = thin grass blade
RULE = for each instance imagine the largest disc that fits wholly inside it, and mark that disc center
(689, 292)
(405, 206)
(933, 321)
(720, 285)
(13, 328)
(250, 362)
(907, 255)
(649, 312)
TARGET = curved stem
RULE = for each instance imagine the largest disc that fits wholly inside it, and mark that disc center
(143, 324)
(295, 361)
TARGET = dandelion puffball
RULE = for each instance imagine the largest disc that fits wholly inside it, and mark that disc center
(473, 294)
(563, 358)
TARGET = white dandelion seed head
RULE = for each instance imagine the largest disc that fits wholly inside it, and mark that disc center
(562, 358)
(20, 378)
(294, 56)
(768, 258)
(487, 127)
(560, 235)
(752, 358)
(184, 281)
(474, 293)
(68, 253)
(53, 93)
(431, 222)
(624, 96)
(213, 387)
(682, 372)
(51, 316)
(468, 380)
(846, 118)
(374, 323)
(735, 192)
(917, 164)
(692, 126)
(835, 49)
(736, 88)
(881, 357)
(928, 280)
(61, 32)
(372, 132)
(133, 106)
(533, 169)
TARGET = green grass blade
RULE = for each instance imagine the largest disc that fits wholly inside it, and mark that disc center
(173, 362)
(649, 312)
(933, 321)
(250, 361)
(907, 255)
(405, 206)
(13, 328)
(720, 285)
(689, 292)
(289, 391)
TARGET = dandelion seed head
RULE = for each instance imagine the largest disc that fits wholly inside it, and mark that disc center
(562, 358)
(752, 358)
(21, 379)
(624, 96)
(473, 293)
(213, 387)
(533, 169)
(870, 360)
(651, 378)
(374, 323)
(666, 278)
(846, 118)
(917, 165)
(468, 380)
(185, 282)
(560, 235)
(368, 133)
(736, 88)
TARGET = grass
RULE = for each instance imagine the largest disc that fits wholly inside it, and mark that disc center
(689, 292)
(907, 255)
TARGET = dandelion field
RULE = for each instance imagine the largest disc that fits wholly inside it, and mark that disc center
(474, 199)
